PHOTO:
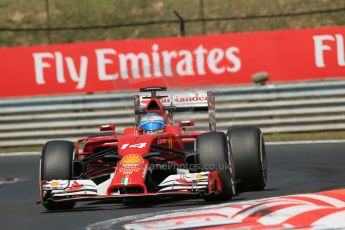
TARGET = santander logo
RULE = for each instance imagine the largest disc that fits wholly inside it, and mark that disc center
(179, 98)
(157, 63)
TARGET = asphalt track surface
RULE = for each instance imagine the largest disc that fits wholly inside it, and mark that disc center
(293, 169)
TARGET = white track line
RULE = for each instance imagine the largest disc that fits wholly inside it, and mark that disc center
(16, 154)
(7, 181)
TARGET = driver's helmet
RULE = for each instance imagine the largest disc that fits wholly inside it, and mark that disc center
(152, 123)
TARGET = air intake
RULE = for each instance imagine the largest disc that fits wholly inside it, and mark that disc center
(153, 105)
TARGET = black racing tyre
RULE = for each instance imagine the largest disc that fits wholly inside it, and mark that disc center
(56, 163)
(212, 155)
(248, 150)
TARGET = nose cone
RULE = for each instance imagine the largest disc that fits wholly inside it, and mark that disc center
(130, 172)
(129, 175)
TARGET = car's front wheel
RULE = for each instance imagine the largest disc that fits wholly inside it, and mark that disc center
(212, 155)
(56, 164)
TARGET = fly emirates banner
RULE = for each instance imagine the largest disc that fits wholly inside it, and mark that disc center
(197, 61)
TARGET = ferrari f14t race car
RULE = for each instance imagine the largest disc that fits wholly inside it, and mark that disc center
(156, 158)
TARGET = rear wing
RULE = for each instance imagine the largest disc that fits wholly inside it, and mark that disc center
(181, 101)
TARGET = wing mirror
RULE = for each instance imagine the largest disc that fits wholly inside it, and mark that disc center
(107, 127)
(186, 123)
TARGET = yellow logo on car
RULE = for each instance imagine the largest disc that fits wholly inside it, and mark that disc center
(54, 183)
(199, 176)
(132, 159)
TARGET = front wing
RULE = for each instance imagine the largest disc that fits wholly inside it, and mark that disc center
(183, 184)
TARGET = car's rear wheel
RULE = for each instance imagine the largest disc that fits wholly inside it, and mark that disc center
(56, 164)
(213, 155)
(248, 149)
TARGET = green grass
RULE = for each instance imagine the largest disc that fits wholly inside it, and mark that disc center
(31, 13)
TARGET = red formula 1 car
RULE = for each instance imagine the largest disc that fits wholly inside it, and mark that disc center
(138, 164)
